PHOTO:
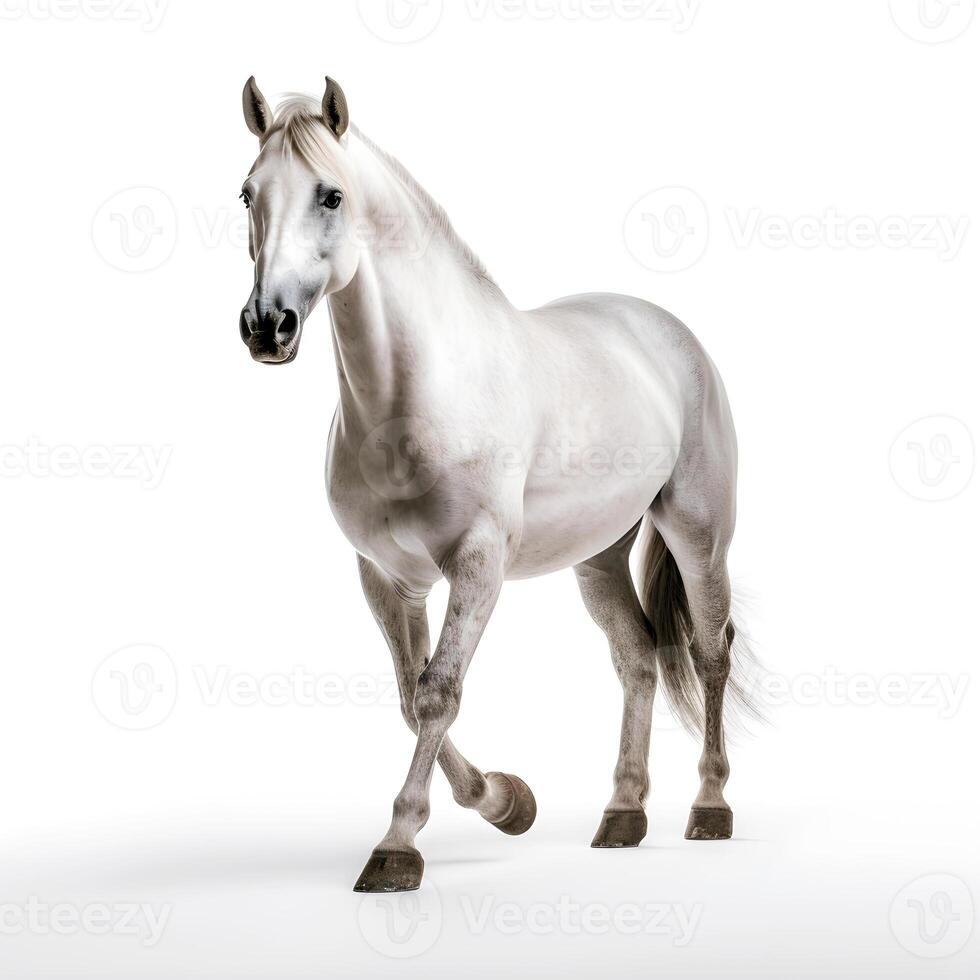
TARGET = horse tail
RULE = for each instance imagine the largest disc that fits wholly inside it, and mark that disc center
(665, 605)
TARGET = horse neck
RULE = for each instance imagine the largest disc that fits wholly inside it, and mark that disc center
(416, 289)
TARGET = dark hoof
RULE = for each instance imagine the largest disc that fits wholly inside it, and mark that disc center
(709, 823)
(391, 871)
(522, 810)
(621, 828)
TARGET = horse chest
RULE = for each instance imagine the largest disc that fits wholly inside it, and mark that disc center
(385, 507)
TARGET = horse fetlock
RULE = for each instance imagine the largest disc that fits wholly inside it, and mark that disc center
(409, 812)
(472, 791)
(714, 768)
(632, 781)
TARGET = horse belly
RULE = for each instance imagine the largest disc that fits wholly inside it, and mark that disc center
(569, 518)
(610, 440)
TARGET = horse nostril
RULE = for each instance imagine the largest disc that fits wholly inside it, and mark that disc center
(245, 325)
(288, 327)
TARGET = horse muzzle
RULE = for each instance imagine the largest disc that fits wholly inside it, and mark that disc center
(272, 336)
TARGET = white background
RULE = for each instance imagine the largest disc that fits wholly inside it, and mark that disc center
(539, 126)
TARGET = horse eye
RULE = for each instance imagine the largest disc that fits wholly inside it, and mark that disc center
(248, 201)
(332, 200)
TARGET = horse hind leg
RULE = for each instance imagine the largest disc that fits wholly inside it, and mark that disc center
(709, 598)
(687, 575)
(607, 589)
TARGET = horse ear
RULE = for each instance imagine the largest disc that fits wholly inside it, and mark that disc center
(335, 113)
(258, 115)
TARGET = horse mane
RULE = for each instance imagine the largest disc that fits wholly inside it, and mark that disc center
(299, 118)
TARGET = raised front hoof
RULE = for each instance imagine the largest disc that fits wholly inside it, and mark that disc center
(709, 823)
(621, 828)
(522, 810)
(391, 871)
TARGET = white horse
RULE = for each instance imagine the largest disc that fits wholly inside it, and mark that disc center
(478, 442)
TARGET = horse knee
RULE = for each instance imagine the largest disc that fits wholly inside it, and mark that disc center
(437, 699)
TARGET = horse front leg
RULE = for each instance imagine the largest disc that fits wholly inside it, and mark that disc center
(475, 573)
(502, 799)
